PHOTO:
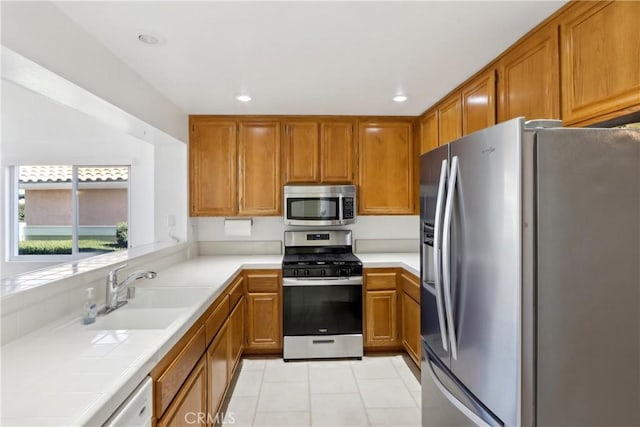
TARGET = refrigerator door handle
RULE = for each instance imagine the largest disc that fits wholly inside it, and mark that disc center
(446, 257)
(437, 253)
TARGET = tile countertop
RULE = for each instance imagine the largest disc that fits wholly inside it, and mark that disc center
(67, 375)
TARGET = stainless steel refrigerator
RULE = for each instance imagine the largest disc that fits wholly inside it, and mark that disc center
(531, 274)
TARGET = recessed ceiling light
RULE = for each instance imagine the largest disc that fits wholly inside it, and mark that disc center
(399, 98)
(148, 39)
(243, 98)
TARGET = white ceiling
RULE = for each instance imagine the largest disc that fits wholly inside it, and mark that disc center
(307, 57)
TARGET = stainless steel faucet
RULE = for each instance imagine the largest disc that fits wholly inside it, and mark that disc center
(113, 287)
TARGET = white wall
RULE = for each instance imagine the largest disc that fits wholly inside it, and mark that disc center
(41, 32)
(36, 130)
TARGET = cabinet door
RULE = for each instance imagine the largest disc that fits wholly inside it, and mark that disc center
(386, 168)
(217, 356)
(336, 152)
(301, 152)
(264, 331)
(236, 335)
(259, 158)
(450, 119)
(479, 103)
(190, 402)
(429, 131)
(528, 78)
(213, 167)
(381, 314)
(411, 327)
(600, 60)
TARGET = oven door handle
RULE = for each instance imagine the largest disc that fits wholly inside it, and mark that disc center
(342, 281)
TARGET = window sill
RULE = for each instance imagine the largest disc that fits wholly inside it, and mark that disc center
(86, 269)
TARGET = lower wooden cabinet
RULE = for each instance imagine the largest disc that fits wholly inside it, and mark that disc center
(263, 322)
(264, 311)
(411, 327)
(217, 368)
(236, 335)
(381, 315)
(189, 407)
(381, 308)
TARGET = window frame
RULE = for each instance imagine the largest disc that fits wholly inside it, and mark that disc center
(14, 223)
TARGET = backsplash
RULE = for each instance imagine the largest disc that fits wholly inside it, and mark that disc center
(272, 228)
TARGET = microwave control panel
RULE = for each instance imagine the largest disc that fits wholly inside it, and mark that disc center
(347, 208)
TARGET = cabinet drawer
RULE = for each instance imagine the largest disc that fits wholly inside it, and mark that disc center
(217, 318)
(262, 281)
(411, 286)
(168, 384)
(236, 292)
(380, 279)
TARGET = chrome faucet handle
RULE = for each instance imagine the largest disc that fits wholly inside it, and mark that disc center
(113, 276)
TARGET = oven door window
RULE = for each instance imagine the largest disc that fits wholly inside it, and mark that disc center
(322, 310)
(320, 208)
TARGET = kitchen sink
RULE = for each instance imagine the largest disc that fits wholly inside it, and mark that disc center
(168, 297)
(137, 318)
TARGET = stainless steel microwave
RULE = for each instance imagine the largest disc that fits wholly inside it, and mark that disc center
(318, 205)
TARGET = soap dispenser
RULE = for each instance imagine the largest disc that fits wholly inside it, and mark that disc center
(90, 309)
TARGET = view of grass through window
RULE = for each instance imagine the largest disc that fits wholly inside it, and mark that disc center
(48, 214)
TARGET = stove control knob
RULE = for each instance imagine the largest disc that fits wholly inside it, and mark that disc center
(345, 272)
(323, 272)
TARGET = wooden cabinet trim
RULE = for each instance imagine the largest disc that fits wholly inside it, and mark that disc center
(410, 285)
(195, 386)
(380, 279)
(217, 318)
(168, 384)
(236, 291)
(262, 280)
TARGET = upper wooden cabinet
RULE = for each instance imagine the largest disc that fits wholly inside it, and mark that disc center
(386, 168)
(429, 131)
(319, 152)
(479, 103)
(600, 60)
(450, 119)
(260, 189)
(528, 78)
(337, 152)
(301, 152)
(213, 167)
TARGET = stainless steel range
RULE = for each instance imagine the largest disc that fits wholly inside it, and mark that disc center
(322, 296)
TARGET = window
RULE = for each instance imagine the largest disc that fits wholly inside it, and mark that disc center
(72, 211)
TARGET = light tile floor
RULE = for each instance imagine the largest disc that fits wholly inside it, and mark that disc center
(374, 391)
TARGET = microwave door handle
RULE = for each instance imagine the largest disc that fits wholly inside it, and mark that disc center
(446, 257)
(340, 210)
(437, 253)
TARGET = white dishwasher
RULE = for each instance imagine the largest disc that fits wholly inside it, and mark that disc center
(137, 410)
